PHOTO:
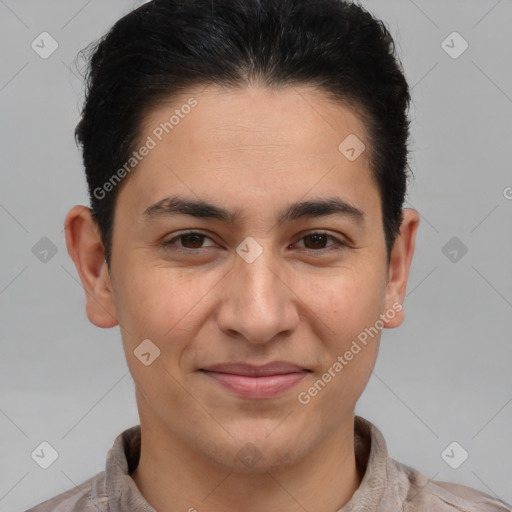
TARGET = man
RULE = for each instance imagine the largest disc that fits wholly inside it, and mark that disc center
(246, 163)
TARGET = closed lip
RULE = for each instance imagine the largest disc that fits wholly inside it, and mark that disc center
(252, 370)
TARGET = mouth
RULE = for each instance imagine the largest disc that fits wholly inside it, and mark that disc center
(256, 382)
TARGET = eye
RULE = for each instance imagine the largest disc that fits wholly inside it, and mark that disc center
(189, 241)
(193, 240)
(316, 241)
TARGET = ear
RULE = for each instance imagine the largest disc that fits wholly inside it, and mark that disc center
(84, 245)
(399, 265)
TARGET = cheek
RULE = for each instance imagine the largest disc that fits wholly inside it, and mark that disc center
(347, 302)
(156, 304)
(162, 304)
(350, 349)
(147, 296)
(350, 307)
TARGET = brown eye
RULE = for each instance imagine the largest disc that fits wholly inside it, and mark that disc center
(192, 241)
(317, 242)
(188, 241)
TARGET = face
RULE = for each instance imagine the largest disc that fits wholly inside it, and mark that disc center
(260, 279)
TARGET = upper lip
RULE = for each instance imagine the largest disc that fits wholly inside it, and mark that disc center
(251, 370)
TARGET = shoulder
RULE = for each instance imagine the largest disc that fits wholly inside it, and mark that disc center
(89, 496)
(424, 494)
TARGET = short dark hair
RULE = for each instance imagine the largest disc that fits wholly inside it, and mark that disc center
(166, 46)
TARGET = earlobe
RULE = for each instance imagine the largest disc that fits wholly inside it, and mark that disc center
(85, 248)
(399, 266)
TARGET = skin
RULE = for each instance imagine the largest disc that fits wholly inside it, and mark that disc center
(254, 151)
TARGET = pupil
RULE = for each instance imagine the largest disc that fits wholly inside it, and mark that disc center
(198, 240)
(316, 240)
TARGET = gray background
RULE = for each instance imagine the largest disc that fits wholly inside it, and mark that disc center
(443, 376)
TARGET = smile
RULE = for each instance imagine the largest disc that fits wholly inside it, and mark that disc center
(253, 387)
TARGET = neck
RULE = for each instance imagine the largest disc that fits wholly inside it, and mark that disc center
(174, 477)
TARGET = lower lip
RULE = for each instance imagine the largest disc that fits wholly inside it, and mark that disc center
(257, 387)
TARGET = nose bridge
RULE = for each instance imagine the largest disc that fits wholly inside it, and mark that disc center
(261, 283)
(256, 303)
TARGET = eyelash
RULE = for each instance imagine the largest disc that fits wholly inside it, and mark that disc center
(170, 244)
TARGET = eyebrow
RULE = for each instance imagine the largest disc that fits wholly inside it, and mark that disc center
(176, 205)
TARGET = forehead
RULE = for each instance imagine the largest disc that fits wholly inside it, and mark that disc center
(251, 143)
(253, 117)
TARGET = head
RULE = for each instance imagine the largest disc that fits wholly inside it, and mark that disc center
(276, 131)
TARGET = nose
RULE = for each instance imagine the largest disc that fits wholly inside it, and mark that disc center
(257, 303)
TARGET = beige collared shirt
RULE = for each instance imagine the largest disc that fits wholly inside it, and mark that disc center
(387, 485)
